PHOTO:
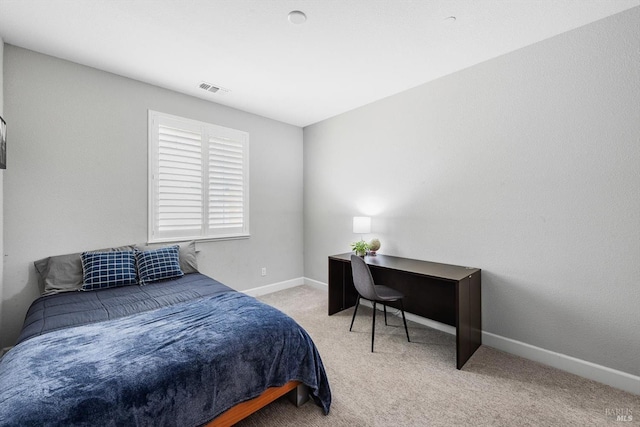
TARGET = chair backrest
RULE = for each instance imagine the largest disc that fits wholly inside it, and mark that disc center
(362, 279)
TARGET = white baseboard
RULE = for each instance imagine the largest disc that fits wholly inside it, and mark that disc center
(421, 320)
(592, 371)
(316, 284)
(280, 286)
(275, 287)
(414, 318)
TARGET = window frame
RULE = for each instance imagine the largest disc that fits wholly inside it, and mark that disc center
(207, 131)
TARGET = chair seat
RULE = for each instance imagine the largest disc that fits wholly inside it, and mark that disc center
(387, 294)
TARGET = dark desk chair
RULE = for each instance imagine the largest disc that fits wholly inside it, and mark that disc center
(367, 289)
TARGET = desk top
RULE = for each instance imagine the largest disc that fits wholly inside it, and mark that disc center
(424, 268)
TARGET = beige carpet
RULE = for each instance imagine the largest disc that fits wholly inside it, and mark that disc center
(417, 384)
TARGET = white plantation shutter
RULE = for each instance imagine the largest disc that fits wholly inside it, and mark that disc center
(226, 184)
(179, 182)
(198, 186)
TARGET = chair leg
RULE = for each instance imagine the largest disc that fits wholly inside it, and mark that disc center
(354, 313)
(373, 326)
(404, 320)
(385, 314)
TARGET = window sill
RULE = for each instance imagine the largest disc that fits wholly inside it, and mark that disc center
(200, 239)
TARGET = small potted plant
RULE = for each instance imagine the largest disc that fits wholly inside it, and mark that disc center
(360, 247)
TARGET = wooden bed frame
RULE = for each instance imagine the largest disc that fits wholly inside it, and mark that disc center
(244, 409)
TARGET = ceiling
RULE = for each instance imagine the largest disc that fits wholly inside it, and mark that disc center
(347, 54)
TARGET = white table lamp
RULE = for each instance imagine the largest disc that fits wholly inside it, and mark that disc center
(362, 224)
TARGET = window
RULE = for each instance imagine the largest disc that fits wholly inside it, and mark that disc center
(198, 180)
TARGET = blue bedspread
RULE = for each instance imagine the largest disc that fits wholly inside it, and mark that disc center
(180, 365)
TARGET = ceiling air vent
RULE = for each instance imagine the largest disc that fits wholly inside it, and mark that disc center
(211, 88)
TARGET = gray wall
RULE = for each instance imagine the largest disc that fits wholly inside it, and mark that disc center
(527, 166)
(78, 176)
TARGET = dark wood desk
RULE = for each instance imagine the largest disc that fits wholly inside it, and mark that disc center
(446, 293)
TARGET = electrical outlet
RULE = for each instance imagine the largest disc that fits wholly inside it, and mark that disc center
(264, 271)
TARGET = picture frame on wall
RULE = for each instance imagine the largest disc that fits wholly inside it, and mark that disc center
(3, 144)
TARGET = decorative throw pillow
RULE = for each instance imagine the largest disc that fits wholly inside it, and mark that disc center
(63, 273)
(108, 269)
(158, 264)
(186, 255)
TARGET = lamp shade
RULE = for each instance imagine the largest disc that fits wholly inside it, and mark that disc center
(362, 224)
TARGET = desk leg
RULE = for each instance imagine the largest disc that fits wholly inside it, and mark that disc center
(342, 293)
(336, 286)
(462, 322)
(468, 319)
(475, 311)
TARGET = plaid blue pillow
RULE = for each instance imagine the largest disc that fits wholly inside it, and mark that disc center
(158, 264)
(102, 270)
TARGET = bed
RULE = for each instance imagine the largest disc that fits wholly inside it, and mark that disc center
(183, 351)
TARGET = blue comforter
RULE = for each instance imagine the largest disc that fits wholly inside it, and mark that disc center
(182, 364)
